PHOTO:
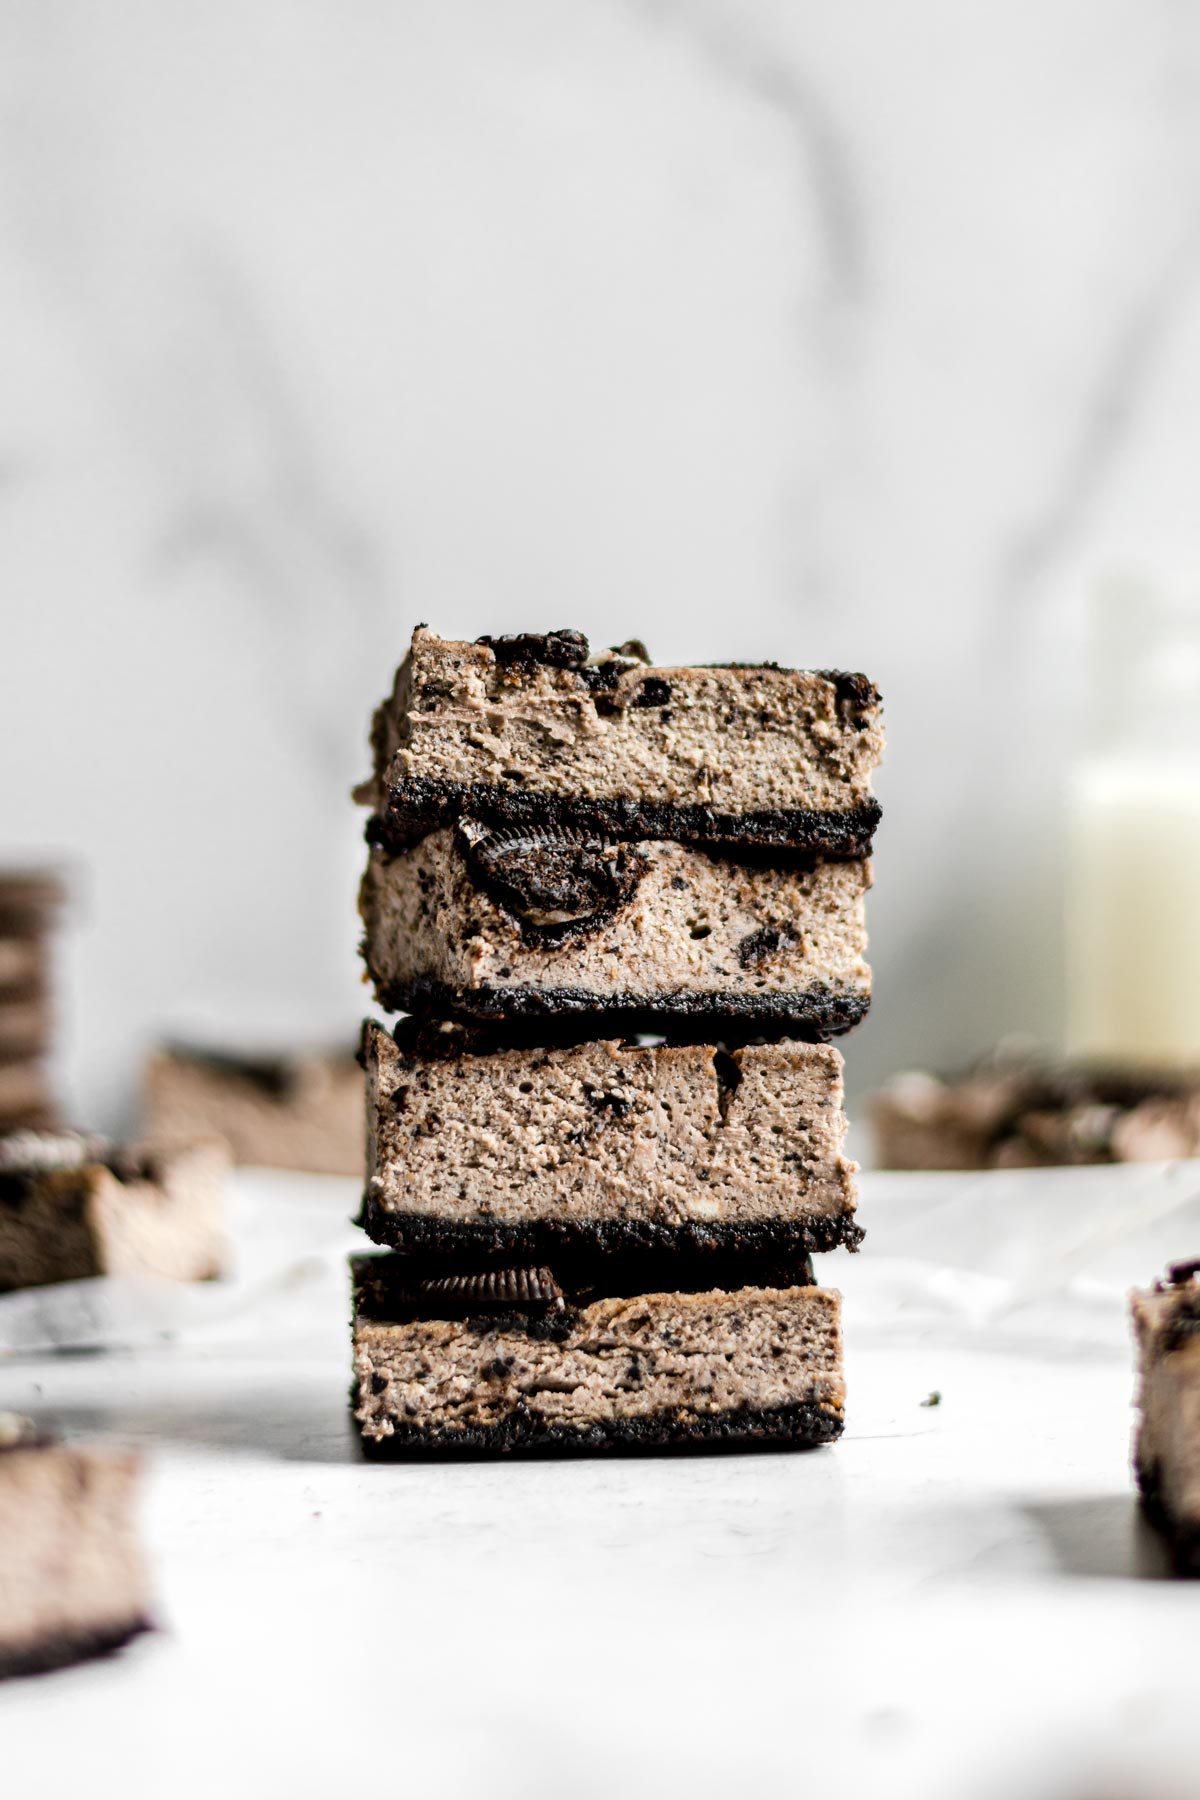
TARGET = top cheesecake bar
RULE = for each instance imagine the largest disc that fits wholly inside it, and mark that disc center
(533, 730)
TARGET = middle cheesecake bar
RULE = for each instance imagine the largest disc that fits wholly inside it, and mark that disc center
(493, 924)
(480, 1147)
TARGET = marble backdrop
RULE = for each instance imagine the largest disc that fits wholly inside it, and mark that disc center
(860, 335)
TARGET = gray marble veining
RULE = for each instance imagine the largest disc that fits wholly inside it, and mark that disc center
(859, 335)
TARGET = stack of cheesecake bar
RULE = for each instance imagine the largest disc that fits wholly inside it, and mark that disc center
(30, 901)
(624, 909)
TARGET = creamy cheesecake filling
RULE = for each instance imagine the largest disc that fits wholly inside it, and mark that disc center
(732, 739)
(607, 1131)
(690, 924)
(632, 1360)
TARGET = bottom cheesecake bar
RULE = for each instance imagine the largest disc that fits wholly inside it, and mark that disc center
(1166, 1453)
(72, 1584)
(519, 1359)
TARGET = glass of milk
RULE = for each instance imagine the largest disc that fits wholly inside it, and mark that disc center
(1133, 837)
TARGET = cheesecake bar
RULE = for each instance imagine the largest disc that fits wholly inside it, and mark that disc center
(300, 1109)
(72, 1583)
(531, 731)
(1023, 1111)
(478, 1148)
(495, 925)
(73, 1207)
(531, 1358)
(1166, 1453)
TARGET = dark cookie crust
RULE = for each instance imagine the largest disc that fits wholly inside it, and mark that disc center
(390, 1286)
(429, 1038)
(812, 1016)
(799, 1427)
(1182, 1541)
(67, 1647)
(433, 1039)
(418, 805)
(759, 1247)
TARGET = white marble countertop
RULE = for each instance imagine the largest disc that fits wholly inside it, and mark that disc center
(955, 1600)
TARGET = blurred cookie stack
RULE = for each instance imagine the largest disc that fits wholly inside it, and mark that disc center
(30, 902)
(624, 907)
(74, 1206)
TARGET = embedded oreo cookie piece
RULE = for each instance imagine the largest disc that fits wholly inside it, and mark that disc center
(555, 882)
(555, 649)
(738, 1367)
(529, 730)
(477, 1147)
(479, 925)
(409, 1286)
(72, 1581)
(493, 1288)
